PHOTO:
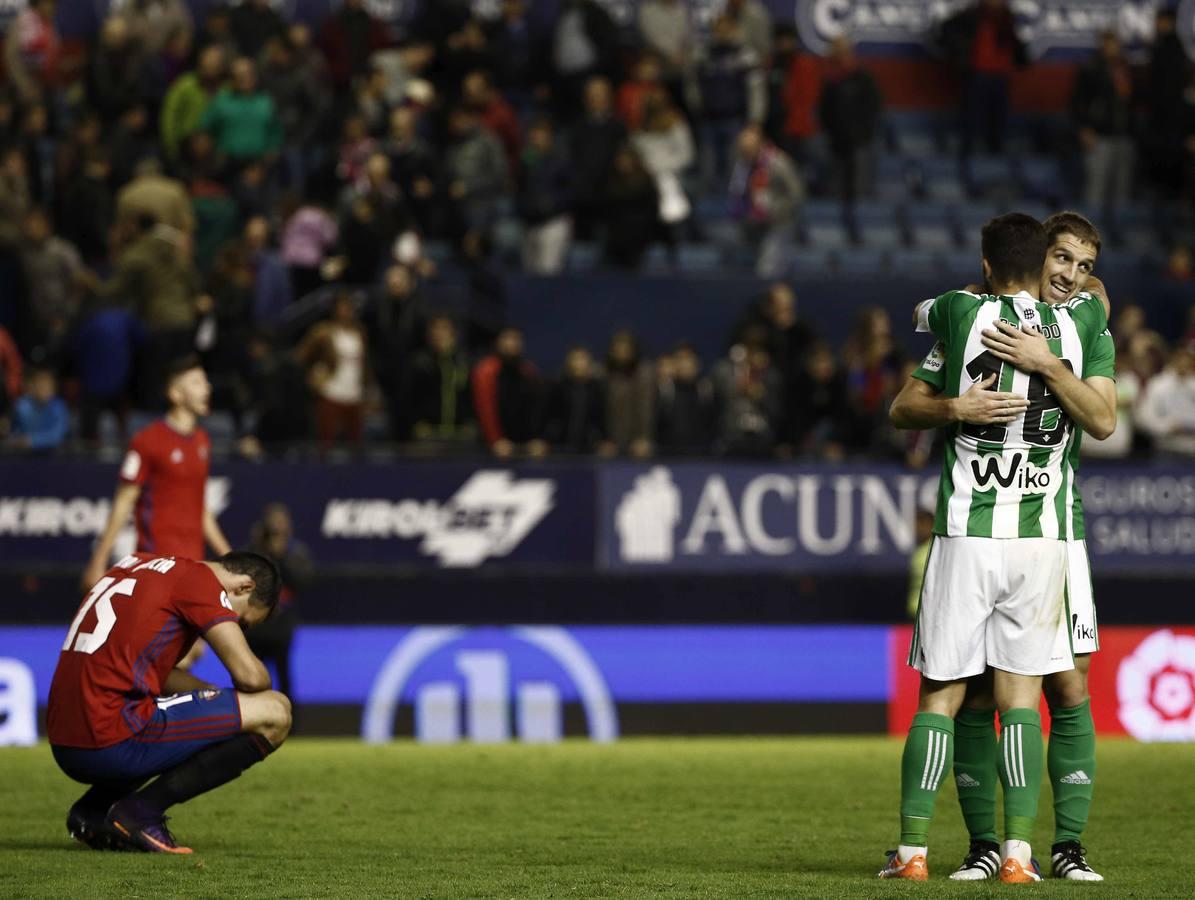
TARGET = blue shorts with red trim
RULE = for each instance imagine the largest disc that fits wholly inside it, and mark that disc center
(182, 725)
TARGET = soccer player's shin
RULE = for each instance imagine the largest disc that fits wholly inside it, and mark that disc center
(1020, 766)
(207, 769)
(928, 754)
(1071, 764)
(975, 754)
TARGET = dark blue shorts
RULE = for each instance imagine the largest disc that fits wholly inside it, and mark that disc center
(182, 726)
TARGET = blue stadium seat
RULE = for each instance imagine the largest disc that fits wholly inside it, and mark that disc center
(990, 176)
(700, 258)
(916, 260)
(863, 260)
(941, 181)
(1041, 177)
(811, 260)
(583, 256)
(827, 235)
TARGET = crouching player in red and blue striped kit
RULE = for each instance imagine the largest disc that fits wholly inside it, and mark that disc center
(121, 712)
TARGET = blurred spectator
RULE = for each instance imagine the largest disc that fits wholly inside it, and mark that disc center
(630, 209)
(518, 53)
(371, 103)
(250, 285)
(1121, 442)
(475, 168)
(749, 395)
(816, 412)
(440, 397)
(53, 272)
(787, 337)
(217, 30)
(155, 23)
(753, 22)
(32, 49)
(277, 394)
(981, 42)
(155, 279)
(667, 30)
(873, 369)
(1166, 410)
(301, 100)
(377, 218)
(117, 73)
(1179, 266)
(636, 92)
(83, 136)
(188, 99)
(684, 405)
(242, 118)
(413, 164)
(665, 144)
(104, 348)
(131, 143)
(11, 369)
(92, 208)
(630, 397)
(849, 109)
(273, 536)
(394, 319)
(16, 197)
(508, 398)
(1165, 79)
(545, 201)
(40, 420)
(595, 139)
(170, 62)
(1102, 106)
(584, 43)
(335, 354)
(356, 147)
(765, 191)
(1186, 134)
(154, 195)
(575, 419)
(794, 86)
(307, 237)
(494, 113)
(466, 50)
(733, 93)
(40, 149)
(348, 38)
(252, 23)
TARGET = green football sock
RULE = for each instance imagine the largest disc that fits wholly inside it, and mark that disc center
(1020, 761)
(929, 749)
(975, 770)
(1070, 761)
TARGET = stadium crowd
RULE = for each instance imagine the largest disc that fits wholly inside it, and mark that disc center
(277, 197)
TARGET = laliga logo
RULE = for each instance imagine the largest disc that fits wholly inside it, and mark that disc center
(1156, 688)
(488, 689)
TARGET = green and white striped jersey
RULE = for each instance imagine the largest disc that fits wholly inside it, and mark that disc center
(1015, 480)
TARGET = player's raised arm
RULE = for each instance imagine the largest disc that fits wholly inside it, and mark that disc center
(122, 507)
(919, 405)
(249, 674)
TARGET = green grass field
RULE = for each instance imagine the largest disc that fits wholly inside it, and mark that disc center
(642, 818)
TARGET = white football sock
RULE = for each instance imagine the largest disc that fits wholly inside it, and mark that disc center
(1018, 850)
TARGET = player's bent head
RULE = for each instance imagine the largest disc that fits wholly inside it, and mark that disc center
(267, 583)
(1014, 250)
(1076, 225)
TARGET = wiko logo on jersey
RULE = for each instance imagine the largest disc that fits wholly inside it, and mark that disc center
(487, 517)
(488, 685)
(1026, 478)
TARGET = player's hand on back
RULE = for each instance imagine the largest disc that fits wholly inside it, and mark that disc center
(980, 405)
(1025, 348)
(92, 573)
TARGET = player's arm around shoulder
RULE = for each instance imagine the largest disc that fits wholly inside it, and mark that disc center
(936, 314)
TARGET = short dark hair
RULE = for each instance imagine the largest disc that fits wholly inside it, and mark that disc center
(1073, 223)
(267, 579)
(181, 365)
(1014, 246)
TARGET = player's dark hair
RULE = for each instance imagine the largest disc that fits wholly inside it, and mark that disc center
(267, 578)
(1072, 223)
(1014, 246)
(181, 366)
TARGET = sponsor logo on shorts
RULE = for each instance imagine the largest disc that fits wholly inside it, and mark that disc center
(207, 695)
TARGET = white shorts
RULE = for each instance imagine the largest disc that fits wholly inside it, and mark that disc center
(992, 602)
(1080, 598)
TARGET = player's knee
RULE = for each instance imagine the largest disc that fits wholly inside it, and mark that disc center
(1064, 690)
(281, 718)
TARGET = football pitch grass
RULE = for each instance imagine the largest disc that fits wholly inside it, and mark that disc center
(796, 817)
